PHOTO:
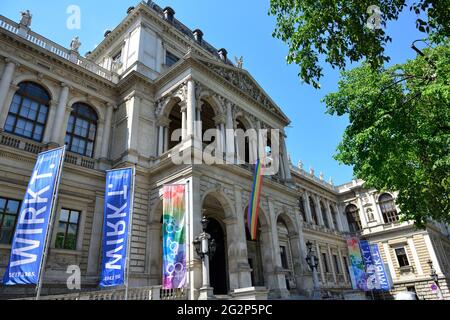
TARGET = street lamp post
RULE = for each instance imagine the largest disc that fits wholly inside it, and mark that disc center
(205, 250)
(435, 278)
(313, 262)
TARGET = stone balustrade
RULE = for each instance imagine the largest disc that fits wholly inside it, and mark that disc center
(13, 27)
(34, 147)
(145, 293)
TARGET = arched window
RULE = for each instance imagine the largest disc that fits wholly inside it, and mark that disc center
(324, 215)
(354, 222)
(81, 130)
(28, 111)
(388, 209)
(334, 217)
(313, 210)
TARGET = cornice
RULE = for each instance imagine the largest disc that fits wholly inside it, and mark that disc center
(51, 65)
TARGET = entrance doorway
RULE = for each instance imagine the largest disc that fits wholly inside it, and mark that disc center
(217, 265)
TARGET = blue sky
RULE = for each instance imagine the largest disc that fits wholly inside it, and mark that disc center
(244, 28)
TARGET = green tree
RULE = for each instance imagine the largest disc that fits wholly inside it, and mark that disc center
(337, 30)
(399, 132)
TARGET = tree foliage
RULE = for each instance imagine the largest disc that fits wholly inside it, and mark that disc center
(337, 30)
(399, 132)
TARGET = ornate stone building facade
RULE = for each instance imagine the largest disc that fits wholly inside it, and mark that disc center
(121, 105)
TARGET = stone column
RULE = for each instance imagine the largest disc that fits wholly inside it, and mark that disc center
(60, 119)
(99, 138)
(240, 243)
(133, 120)
(318, 211)
(379, 215)
(230, 134)
(166, 138)
(321, 263)
(5, 84)
(339, 227)
(194, 227)
(50, 122)
(330, 218)
(183, 120)
(285, 160)
(198, 121)
(308, 208)
(222, 135)
(191, 103)
(279, 277)
(361, 212)
(107, 131)
(95, 241)
(333, 268)
(343, 265)
(160, 140)
(343, 219)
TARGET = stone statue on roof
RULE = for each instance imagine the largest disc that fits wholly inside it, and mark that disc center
(75, 44)
(26, 18)
(239, 62)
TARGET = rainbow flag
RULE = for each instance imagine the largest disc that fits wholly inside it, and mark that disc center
(253, 206)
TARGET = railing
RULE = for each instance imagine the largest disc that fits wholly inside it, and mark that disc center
(173, 294)
(313, 177)
(20, 143)
(27, 145)
(145, 293)
(57, 49)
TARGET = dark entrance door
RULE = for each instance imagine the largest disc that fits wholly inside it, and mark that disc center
(217, 265)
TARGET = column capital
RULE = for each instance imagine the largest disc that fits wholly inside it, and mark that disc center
(65, 85)
(12, 61)
(163, 122)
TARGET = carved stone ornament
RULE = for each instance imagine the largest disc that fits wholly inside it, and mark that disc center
(244, 83)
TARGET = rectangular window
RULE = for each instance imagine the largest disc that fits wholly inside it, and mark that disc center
(117, 58)
(67, 234)
(336, 264)
(325, 262)
(402, 257)
(171, 59)
(9, 211)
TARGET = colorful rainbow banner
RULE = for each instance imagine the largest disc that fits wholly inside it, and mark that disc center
(357, 263)
(253, 206)
(174, 241)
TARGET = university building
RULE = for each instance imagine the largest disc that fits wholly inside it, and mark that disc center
(119, 105)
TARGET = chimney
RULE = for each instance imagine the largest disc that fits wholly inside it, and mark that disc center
(169, 13)
(223, 54)
(198, 35)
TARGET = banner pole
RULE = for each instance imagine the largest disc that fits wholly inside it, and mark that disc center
(189, 263)
(130, 229)
(50, 226)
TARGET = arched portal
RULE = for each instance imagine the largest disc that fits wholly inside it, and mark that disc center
(218, 263)
(214, 210)
(259, 252)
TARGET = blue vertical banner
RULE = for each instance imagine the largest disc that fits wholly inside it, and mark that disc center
(30, 236)
(372, 282)
(382, 277)
(116, 225)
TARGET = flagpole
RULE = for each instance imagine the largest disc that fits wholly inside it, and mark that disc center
(50, 226)
(130, 229)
